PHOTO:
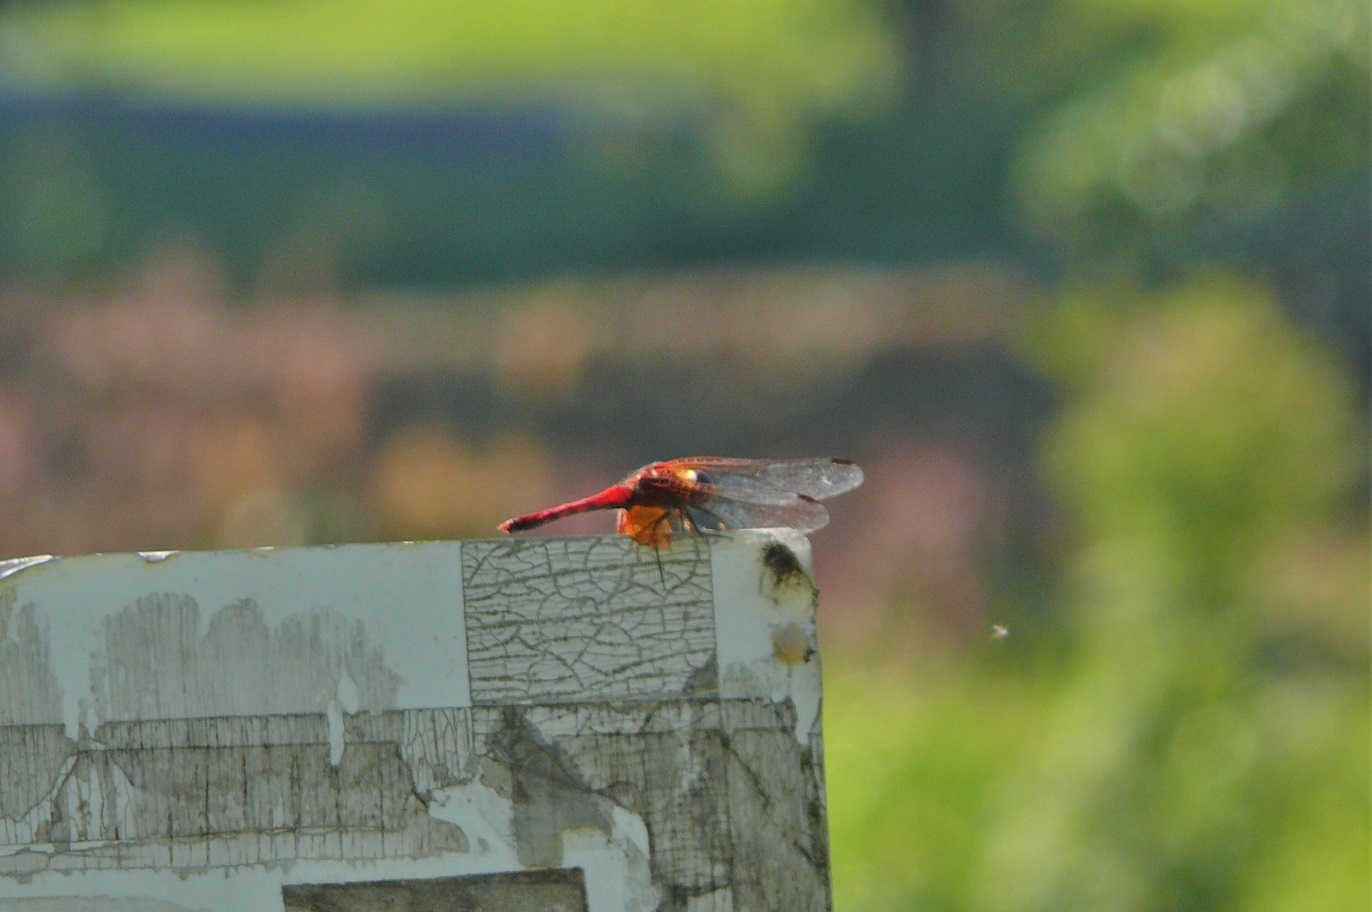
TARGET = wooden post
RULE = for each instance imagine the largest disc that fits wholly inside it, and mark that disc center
(516, 724)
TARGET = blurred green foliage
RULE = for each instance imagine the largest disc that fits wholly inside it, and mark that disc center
(762, 53)
(755, 76)
(819, 129)
(1203, 433)
(1152, 115)
(1200, 737)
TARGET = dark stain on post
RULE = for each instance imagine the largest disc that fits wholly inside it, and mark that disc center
(781, 562)
(519, 891)
(549, 795)
(784, 579)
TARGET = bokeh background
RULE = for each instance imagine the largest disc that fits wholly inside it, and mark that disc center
(1083, 284)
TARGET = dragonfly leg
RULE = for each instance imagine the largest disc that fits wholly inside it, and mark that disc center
(696, 521)
(661, 538)
(702, 521)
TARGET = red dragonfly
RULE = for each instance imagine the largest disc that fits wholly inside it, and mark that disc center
(712, 493)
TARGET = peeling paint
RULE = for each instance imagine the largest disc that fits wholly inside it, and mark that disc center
(572, 618)
(92, 904)
(29, 692)
(14, 565)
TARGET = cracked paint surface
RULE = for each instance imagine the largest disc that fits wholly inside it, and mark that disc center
(264, 729)
(585, 618)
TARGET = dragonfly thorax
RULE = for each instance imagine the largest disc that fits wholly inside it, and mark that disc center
(669, 486)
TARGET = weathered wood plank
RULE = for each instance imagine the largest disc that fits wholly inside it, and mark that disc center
(400, 719)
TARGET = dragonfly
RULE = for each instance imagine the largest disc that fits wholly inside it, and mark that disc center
(712, 494)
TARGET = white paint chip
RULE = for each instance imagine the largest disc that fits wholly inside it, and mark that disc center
(14, 565)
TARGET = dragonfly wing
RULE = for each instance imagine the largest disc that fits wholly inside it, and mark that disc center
(800, 513)
(817, 477)
(744, 488)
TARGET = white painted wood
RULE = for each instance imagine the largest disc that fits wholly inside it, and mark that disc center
(582, 722)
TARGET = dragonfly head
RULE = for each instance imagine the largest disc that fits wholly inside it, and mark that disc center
(693, 476)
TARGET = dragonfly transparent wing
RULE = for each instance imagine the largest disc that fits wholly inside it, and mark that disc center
(748, 479)
(800, 513)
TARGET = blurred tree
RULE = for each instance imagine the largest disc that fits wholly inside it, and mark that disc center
(425, 143)
(1209, 748)
(1196, 737)
(753, 75)
(1153, 115)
